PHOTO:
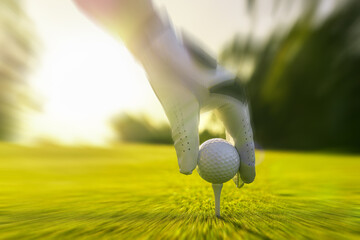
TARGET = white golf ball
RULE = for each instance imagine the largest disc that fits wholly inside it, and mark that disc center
(218, 161)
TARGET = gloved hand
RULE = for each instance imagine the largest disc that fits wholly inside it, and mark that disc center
(185, 79)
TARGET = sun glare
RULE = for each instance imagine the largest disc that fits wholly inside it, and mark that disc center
(85, 81)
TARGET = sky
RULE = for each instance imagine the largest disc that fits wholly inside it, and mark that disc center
(85, 76)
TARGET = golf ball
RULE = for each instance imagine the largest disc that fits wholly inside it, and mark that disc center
(218, 161)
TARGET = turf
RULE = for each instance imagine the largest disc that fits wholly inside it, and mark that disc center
(136, 192)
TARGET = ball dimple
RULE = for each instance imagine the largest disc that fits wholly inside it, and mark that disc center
(218, 161)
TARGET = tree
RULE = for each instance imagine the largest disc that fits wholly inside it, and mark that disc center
(305, 83)
(17, 56)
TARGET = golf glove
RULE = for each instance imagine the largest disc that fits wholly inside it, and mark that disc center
(186, 80)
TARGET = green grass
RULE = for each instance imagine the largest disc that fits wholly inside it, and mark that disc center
(136, 192)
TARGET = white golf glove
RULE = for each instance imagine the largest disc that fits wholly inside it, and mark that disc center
(186, 81)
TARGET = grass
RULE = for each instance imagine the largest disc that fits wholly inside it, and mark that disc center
(136, 192)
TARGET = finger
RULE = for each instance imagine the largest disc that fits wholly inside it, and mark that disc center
(182, 110)
(184, 121)
(235, 116)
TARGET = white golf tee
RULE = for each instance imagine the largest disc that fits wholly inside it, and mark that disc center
(217, 192)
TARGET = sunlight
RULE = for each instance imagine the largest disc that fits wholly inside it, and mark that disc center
(84, 82)
(81, 82)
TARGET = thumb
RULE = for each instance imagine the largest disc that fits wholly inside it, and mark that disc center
(236, 119)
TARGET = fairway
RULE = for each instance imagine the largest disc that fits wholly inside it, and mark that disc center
(136, 192)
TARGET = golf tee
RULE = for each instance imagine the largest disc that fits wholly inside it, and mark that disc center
(217, 192)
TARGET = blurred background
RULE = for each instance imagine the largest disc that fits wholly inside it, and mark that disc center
(85, 148)
(65, 81)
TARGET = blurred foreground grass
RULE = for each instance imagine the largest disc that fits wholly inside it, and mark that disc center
(135, 191)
